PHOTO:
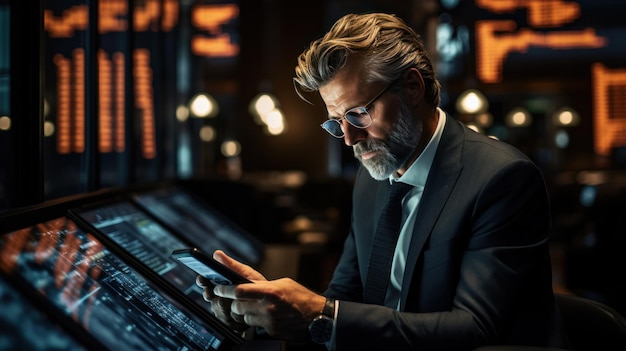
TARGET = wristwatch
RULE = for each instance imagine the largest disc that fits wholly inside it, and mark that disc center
(321, 328)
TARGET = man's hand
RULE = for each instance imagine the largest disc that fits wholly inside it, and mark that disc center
(283, 307)
(221, 307)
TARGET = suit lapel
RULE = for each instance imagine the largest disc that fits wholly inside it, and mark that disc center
(441, 180)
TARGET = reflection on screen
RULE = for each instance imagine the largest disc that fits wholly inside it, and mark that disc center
(200, 224)
(23, 327)
(92, 285)
(148, 241)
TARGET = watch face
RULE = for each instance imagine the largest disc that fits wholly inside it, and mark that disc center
(321, 329)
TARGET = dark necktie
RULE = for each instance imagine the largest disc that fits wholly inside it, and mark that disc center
(384, 244)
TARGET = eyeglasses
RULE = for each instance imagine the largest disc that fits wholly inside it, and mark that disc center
(357, 117)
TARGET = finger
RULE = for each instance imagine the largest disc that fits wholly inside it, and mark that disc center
(203, 282)
(225, 291)
(208, 296)
(237, 266)
(247, 291)
(221, 310)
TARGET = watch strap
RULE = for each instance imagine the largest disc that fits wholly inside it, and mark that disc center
(329, 308)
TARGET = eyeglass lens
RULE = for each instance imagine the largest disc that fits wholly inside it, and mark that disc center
(358, 117)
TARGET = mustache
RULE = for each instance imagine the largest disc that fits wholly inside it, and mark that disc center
(368, 146)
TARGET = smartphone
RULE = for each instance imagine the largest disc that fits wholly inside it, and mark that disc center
(206, 266)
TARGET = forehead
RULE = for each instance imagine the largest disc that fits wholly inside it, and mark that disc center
(346, 89)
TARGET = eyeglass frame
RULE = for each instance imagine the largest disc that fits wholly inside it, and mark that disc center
(362, 109)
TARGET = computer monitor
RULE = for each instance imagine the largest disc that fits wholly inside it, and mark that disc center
(134, 233)
(115, 303)
(25, 327)
(200, 223)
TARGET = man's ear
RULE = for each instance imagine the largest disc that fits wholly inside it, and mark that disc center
(415, 88)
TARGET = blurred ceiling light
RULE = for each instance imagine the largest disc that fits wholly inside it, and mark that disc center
(275, 122)
(5, 122)
(203, 105)
(518, 117)
(48, 128)
(231, 148)
(266, 111)
(182, 113)
(207, 133)
(261, 105)
(566, 117)
(472, 101)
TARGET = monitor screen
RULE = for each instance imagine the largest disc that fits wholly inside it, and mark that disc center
(144, 238)
(88, 282)
(199, 223)
(24, 327)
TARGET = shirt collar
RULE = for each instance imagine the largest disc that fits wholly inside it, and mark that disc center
(417, 173)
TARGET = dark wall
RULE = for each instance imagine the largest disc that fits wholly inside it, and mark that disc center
(273, 34)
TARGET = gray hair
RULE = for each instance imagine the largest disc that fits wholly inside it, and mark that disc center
(387, 45)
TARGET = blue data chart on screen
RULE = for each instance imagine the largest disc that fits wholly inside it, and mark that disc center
(99, 291)
(151, 243)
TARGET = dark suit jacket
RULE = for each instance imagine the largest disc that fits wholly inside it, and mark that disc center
(478, 269)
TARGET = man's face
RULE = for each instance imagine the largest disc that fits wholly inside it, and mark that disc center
(393, 152)
(385, 146)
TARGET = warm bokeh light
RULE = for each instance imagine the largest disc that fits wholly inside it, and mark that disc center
(275, 122)
(203, 105)
(518, 117)
(207, 134)
(566, 117)
(261, 105)
(5, 122)
(48, 128)
(231, 148)
(182, 113)
(472, 101)
(266, 111)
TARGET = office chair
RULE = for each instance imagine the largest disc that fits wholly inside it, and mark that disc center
(591, 325)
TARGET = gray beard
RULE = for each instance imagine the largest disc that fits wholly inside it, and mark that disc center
(394, 151)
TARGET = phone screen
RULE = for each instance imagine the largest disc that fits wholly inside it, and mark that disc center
(207, 267)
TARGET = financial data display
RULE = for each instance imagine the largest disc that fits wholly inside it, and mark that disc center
(110, 300)
(147, 240)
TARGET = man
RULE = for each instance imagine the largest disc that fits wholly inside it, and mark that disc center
(471, 265)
